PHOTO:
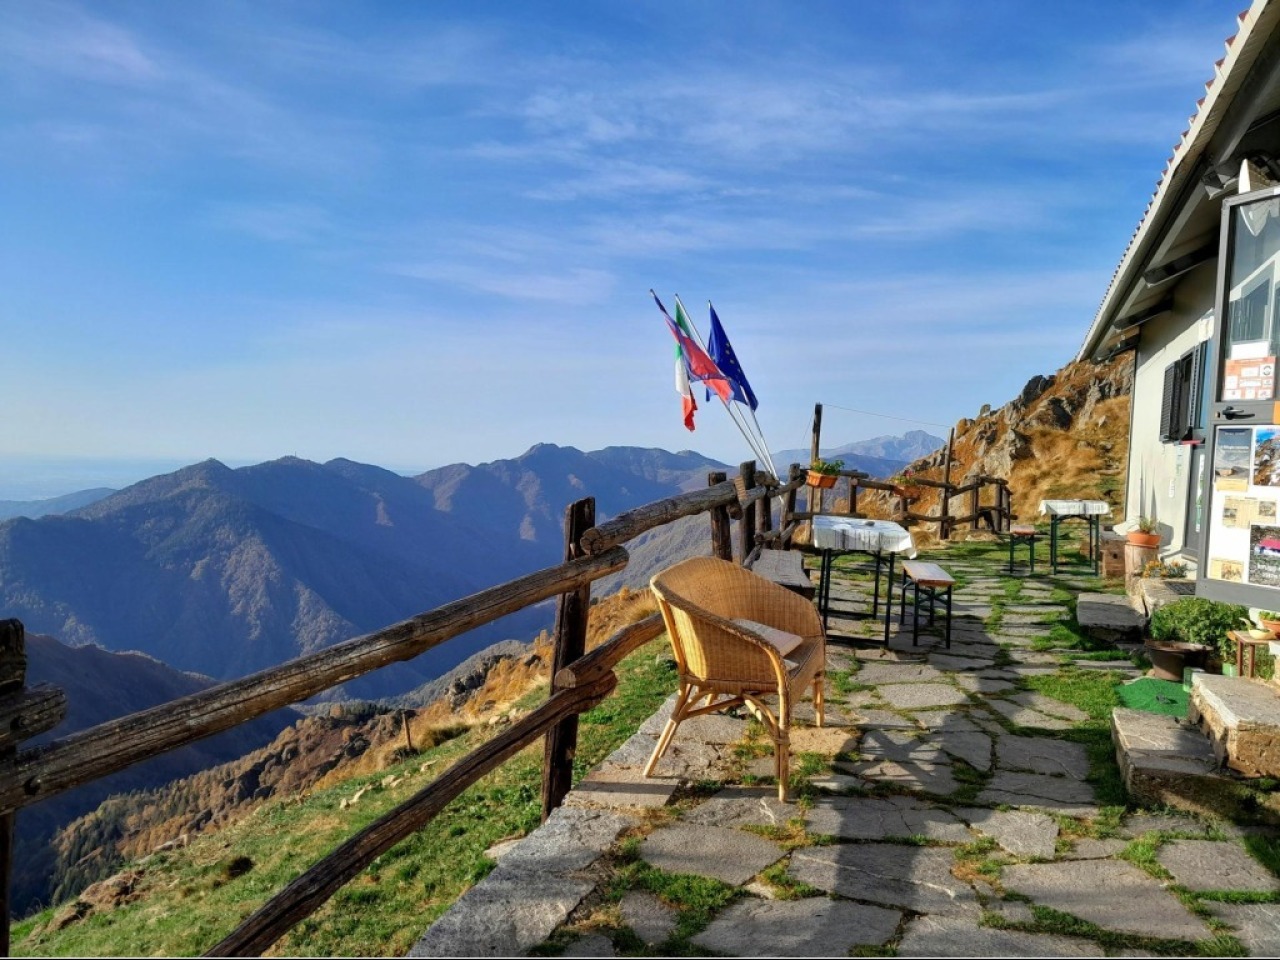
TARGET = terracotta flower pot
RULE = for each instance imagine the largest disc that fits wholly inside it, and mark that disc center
(1143, 539)
(823, 480)
(1272, 625)
(908, 493)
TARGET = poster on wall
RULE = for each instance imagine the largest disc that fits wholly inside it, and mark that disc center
(1233, 459)
(1264, 555)
(1230, 570)
(1252, 379)
(1243, 512)
(1266, 457)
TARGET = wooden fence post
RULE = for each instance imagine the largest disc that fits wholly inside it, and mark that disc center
(25, 713)
(789, 510)
(572, 612)
(747, 525)
(721, 525)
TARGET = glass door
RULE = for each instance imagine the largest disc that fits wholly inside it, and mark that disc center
(1240, 557)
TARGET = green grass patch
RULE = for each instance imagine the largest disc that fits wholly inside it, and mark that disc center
(1154, 696)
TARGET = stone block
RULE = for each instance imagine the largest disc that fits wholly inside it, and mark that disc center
(1109, 617)
(1168, 762)
(1242, 718)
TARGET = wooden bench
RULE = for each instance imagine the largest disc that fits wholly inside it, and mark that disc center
(785, 568)
(1023, 533)
(928, 583)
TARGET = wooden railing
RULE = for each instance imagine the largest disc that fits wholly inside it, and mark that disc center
(998, 514)
(579, 681)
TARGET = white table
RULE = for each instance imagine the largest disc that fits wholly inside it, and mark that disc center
(882, 539)
(1090, 511)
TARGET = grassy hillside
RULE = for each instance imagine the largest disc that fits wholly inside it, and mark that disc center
(181, 900)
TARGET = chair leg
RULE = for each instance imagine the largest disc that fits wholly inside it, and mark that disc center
(782, 764)
(669, 731)
(819, 700)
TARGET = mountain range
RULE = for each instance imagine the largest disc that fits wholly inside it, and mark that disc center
(879, 457)
(226, 571)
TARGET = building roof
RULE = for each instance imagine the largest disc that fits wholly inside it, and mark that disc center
(1256, 26)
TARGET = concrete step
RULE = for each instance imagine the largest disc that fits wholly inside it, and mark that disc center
(1169, 762)
(1109, 617)
(1241, 717)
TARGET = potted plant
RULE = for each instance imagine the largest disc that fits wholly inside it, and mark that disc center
(1184, 633)
(1165, 570)
(905, 486)
(1146, 534)
(1270, 620)
(824, 473)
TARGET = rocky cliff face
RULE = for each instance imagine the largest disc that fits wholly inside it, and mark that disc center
(1064, 435)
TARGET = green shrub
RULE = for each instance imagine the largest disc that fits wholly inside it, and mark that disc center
(1199, 620)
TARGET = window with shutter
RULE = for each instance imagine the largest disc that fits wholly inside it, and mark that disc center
(1169, 404)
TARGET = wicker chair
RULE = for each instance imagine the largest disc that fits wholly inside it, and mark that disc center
(728, 664)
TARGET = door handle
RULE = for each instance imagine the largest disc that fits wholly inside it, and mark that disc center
(1231, 413)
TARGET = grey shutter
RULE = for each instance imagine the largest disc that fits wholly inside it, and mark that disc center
(1196, 385)
(1169, 403)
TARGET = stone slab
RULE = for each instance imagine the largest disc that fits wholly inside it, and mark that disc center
(1138, 824)
(1090, 849)
(531, 891)
(648, 917)
(1050, 705)
(622, 788)
(919, 696)
(732, 856)
(1215, 865)
(984, 685)
(883, 818)
(883, 720)
(1022, 833)
(898, 672)
(592, 945)
(1257, 925)
(1042, 755)
(893, 875)
(1168, 762)
(1074, 798)
(1242, 718)
(1113, 894)
(956, 664)
(900, 745)
(743, 806)
(812, 927)
(934, 936)
(1025, 717)
(935, 778)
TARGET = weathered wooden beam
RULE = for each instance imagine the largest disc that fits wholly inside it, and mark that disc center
(747, 525)
(721, 526)
(312, 890)
(29, 713)
(572, 612)
(632, 523)
(610, 653)
(13, 656)
(111, 746)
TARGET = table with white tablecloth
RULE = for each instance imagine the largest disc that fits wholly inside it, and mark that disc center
(882, 540)
(1090, 511)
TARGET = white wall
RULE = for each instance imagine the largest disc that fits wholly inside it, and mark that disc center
(1160, 480)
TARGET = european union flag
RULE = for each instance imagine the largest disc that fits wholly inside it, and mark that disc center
(721, 351)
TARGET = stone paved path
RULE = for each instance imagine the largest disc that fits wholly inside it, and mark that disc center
(947, 811)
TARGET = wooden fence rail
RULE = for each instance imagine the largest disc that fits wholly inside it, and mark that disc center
(579, 681)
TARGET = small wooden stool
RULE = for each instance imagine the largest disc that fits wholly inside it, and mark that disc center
(929, 582)
(1245, 642)
(1027, 535)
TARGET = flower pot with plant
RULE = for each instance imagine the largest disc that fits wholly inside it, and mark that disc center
(1188, 629)
(905, 485)
(1270, 620)
(1146, 534)
(824, 473)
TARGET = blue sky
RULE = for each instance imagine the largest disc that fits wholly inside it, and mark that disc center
(417, 233)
